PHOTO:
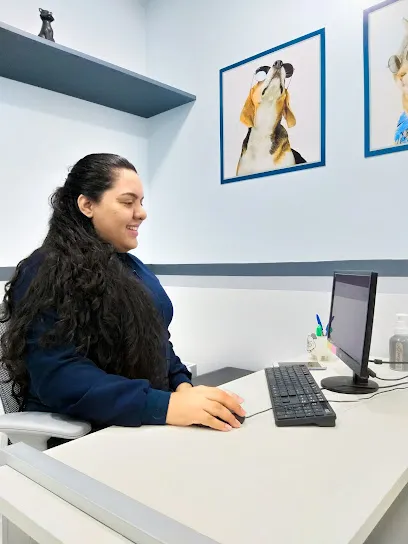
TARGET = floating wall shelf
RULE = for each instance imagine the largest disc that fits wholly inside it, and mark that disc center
(36, 61)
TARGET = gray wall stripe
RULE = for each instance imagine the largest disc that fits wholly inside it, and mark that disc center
(390, 268)
(384, 267)
(6, 272)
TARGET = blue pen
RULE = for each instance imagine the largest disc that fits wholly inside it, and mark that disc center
(319, 322)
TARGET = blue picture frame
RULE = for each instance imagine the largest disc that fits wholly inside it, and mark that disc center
(368, 152)
(305, 166)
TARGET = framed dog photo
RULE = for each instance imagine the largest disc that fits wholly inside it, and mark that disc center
(272, 111)
(386, 77)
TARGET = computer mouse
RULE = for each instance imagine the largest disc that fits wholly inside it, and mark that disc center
(241, 419)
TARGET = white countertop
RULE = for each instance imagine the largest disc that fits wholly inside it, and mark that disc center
(261, 483)
(47, 518)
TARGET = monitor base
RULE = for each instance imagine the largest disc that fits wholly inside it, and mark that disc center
(349, 385)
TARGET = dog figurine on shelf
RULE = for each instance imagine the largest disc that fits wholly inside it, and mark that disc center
(46, 29)
(266, 146)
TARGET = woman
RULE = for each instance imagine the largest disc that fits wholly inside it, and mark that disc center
(88, 323)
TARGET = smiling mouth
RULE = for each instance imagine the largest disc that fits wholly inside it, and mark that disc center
(133, 230)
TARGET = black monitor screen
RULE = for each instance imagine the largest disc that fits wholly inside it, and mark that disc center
(349, 314)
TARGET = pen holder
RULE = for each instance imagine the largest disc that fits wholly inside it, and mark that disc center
(318, 348)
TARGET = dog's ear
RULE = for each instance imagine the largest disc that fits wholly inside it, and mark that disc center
(248, 111)
(287, 111)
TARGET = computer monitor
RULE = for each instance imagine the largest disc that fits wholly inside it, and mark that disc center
(351, 323)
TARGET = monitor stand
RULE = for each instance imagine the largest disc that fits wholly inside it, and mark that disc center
(349, 385)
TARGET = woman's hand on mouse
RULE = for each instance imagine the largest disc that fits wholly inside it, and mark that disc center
(203, 405)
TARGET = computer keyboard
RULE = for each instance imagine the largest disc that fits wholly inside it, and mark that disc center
(296, 398)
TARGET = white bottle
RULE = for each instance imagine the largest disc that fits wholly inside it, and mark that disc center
(399, 344)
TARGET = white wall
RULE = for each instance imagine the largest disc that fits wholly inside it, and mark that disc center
(43, 133)
(342, 211)
(253, 322)
(325, 213)
(351, 209)
(112, 30)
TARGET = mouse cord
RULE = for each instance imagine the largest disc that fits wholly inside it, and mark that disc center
(257, 413)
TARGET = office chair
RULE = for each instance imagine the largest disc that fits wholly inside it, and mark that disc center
(32, 428)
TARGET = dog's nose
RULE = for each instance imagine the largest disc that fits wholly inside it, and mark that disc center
(278, 64)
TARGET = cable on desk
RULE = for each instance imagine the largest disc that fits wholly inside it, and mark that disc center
(388, 386)
(396, 388)
(382, 362)
(374, 375)
(392, 379)
(257, 413)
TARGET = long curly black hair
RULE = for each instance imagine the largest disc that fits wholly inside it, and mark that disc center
(101, 306)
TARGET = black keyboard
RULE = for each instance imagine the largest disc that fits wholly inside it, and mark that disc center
(296, 397)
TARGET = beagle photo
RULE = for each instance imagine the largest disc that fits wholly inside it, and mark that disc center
(386, 77)
(266, 145)
(272, 111)
(398, 64)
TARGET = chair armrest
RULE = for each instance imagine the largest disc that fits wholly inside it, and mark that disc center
(43, 424)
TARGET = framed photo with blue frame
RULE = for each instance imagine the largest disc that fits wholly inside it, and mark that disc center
(385, 29)
(273, 111)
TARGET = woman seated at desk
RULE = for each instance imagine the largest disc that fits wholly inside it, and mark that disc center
(87, 331)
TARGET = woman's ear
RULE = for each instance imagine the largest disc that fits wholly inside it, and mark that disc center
(85, 206)
(288, 113)
(248, 111)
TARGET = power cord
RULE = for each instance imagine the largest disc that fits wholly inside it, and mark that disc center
(374, 375)
(371, 396)
(388, 386)
(382, 362)
(392, 379)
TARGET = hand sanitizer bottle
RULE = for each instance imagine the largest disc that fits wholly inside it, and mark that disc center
(399, 344)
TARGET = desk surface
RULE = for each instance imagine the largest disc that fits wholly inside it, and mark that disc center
(47, 518)
(262, 483)
(314, 485)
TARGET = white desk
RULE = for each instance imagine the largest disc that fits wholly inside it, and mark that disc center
(261, 483)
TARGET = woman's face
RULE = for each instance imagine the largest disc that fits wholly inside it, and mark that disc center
(119, 214)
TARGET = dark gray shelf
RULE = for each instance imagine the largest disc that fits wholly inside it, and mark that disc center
(33, 60)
